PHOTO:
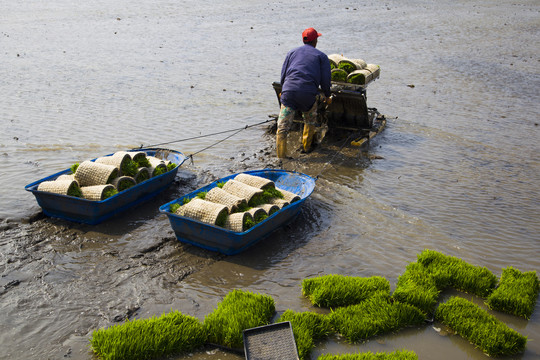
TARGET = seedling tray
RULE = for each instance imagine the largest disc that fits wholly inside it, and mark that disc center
(270, 342)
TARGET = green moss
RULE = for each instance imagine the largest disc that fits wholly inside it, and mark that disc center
(308, 327)
(202, 194)
(375, 316)
(74, 168)
(109, 192)
(221, 184)
(395, 355)
(339, 290)
(257, 200)
(516, 294)
(186, 200)
(482, 329)
(459, 274)
(416, 286)
(238, 311)
(171, 333)
(243, 207)
(171, 166)
(174, 207)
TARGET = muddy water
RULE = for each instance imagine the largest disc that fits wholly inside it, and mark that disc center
(457, 171)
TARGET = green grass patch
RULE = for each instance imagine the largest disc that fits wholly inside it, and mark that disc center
(482, 329)
(339, 290)
(171, 333)
(459, 274)
(394, 355)
(374, 316)
(416, 286)
(307, 327)
(238, 311)
(516, 293)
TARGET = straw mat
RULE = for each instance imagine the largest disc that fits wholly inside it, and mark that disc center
(255, 181)
(91, 173)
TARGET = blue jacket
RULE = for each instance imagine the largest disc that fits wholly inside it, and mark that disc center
(304, 70)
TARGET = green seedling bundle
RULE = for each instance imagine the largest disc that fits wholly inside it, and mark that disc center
(308, 327)
(516, 293)
(395, 355)
(461, 275)
(482, 329)
(418, 287)
(375, 316)
(171, 333)
(339, 290)
(238, 311)
(109, 192)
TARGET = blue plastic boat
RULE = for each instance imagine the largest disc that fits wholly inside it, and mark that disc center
(94, 212)
(229, 242)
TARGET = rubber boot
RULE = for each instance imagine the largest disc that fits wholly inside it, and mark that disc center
(281, 145)
(307, 137)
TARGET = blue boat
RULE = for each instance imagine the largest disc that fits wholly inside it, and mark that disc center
(94, 212)
(229, 242)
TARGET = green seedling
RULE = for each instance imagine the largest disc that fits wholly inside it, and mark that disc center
(129, 168)
(109, 192)
(171, 333)
(170, 166)
(516, 294)
(374, 316)
(416, 286)
(459, 274)
(202, 195)
(307, 327)
(479, 327)
(174, 207)
(339, 290)
(238, 311)
(395, 355)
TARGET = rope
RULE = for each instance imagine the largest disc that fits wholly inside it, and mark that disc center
(207, 135)
(334, 156)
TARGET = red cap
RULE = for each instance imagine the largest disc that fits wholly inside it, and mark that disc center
(310, 34)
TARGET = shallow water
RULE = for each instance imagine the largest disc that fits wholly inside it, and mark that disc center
(457, 171)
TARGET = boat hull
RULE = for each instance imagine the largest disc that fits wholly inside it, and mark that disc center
(229, 242)
(94, 212)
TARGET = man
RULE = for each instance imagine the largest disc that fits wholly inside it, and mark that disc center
(304, 70)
